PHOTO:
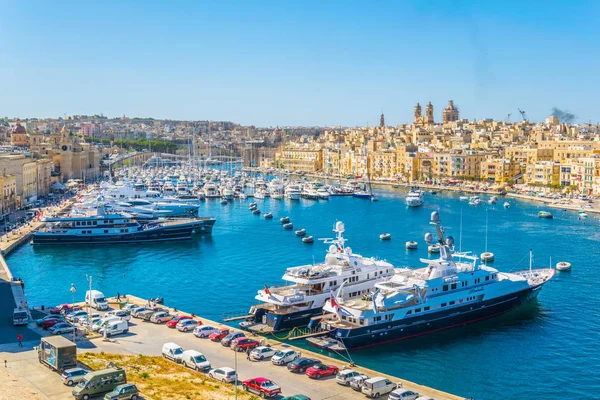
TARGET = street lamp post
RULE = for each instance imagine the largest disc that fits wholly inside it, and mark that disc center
(236, 371)
(73, 290)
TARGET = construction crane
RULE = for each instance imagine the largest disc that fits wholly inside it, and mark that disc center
(507, 119)
(523, 115)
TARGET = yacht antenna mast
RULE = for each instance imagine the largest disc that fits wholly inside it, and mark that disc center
(460, 233)
(530, 260)
(486, 228)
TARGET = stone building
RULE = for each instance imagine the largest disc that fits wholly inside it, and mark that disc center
(8, 194)
(450, 113)
(25, 171)
(18, 135)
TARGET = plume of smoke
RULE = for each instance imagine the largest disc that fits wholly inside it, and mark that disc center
(563, 115)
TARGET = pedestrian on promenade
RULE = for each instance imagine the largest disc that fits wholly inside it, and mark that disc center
(248, 354)
(20, 339)
(118, 297)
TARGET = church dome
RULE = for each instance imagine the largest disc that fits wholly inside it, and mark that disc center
(450, 106)
(18, 128)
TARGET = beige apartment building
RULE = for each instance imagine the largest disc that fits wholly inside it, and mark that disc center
(8, 194)
(542, 173)
(25, 171)
(300, 159)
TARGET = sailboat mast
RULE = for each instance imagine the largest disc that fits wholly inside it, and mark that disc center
(486, 229)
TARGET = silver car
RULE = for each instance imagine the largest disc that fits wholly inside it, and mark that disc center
(73, 375)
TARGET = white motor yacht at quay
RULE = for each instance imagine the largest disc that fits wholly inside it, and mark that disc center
(293, 305)
(454, 290)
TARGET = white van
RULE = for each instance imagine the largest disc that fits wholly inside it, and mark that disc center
(378, 386)
(114, 328)
(195, 360)
(172, 351)
(20, 317)
(103, 322)
(96, 300)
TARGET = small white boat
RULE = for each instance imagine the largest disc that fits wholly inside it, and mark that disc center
(506, 204)
(288, 226)
(223, 201)
(492, 200)
(268, 216)
(373, 198)
(252, 207)
(545, 214)
(463, 198)
(284, 220)
(433, 249)
(301, 232)
(385, 236)
(487, 256)
(563, 266)
(243, 196)
(582, 214)
(308, 239)
(256, 211)
(253, 204)
(410, 245)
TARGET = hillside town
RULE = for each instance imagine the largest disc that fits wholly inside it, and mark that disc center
(39, 155)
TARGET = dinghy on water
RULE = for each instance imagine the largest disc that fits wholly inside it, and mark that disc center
(308, 239)
(563, 266)
(300, 232)
(385, 236)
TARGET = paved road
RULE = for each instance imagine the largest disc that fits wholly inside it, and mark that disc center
(8, 332)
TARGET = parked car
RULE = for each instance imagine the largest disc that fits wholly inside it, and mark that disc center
(261, 386)
(243, 344)
(74, 316)
(125, 315)
(357, 382)
(285, 356)
(114, 328)
(61, 309)
(223, 374)
(102, 323)
(403, 394)
(318, 371)
(226, 341)
(187, 325)
(161, 317)
(262, 352)
(195, 360)
(377, 386)
(83, 319)
(89, 323)
(72, 376)
(129, 307)
(218, 336)
(204, 331)
(40, 321)
(127, 391)
(137, 310)
(172, 351)
(173, 323)
(61, 327)
(51, 322)
(147, 314)
(344, 376)
(301, 364)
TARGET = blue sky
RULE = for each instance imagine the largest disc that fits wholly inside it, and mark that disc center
(299, 63)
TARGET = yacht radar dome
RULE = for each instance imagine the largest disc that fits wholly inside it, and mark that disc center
(435, 216)
(428, 238)
(339, 226)
(450, 241)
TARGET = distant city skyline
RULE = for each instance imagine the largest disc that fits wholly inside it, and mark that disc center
(299, 64)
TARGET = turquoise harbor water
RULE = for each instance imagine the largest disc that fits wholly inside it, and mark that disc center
(541, 351)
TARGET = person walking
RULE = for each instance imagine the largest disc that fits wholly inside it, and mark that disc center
(248, 354)
(20, 339)
(118, 297)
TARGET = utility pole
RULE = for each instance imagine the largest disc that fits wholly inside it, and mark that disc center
(73, 290)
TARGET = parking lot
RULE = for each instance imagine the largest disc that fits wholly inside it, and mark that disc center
(148, 338)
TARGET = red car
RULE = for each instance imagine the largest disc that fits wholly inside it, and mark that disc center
(243, 344)
(216, 337)
(262, 387)
(173, 323)
(50, 322)
(63, 308)
(318, 371)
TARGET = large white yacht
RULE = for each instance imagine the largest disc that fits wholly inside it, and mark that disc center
(454, 290)
(414, 198)
(293, 305)
(293, 192)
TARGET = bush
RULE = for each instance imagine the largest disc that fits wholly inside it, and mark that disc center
(145, 375)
